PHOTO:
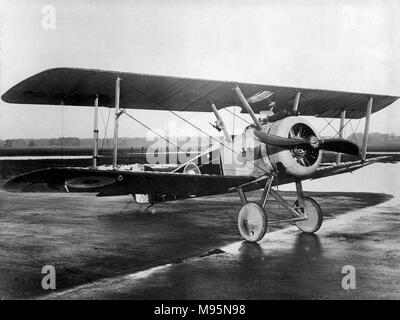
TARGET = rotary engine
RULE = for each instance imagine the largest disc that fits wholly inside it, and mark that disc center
(297, 160)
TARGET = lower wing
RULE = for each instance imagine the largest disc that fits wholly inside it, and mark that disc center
(165, 184)
(121, 182)
(335, 169)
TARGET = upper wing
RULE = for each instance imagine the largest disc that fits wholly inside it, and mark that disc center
(120, 182)
(78, 87)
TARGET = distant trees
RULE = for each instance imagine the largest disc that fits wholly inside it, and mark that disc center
(375, 138)
(71, 141)
(66, 141)
(8, 143)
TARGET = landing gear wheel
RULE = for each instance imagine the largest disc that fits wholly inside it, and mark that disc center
(252, 222)
(314, 216)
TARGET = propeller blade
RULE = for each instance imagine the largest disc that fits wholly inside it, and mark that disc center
(341, 146)
(274, 140)
(334, 145)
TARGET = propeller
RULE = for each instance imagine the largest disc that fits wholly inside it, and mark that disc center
(341, 146)
(335, 145)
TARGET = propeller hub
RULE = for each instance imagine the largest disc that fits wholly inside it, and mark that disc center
(315, 143)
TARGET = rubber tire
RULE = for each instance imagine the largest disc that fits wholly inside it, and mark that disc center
(315, 215)
(252, 235)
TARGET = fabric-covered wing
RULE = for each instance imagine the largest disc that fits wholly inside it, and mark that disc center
(119, 182)
(335, 169)
(78, 87)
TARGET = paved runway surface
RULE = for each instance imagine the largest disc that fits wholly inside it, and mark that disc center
(104, 248)
(285, 265)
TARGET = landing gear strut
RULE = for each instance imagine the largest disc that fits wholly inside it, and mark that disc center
(253, 220)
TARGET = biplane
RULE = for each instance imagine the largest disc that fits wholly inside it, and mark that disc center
(279, 146)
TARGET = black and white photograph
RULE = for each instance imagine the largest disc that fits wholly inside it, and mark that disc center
(216, 152)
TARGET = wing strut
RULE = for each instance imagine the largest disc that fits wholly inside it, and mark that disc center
(96, 132)
(220, 122)
(247, 106)
(296, 102)
(366, 129)
(116, 120)
(341, 132)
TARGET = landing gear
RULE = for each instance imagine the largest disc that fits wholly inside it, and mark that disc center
(313, 214)
(253, 221)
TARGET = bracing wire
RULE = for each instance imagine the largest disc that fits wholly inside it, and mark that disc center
(155, 132)
(338, 134)
(191, 124)
(325, 127)
(105, 131)
(333, 127)
(355, 131)
(244, 120)
(173, 129)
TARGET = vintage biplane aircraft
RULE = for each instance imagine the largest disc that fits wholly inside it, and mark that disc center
(276, 148)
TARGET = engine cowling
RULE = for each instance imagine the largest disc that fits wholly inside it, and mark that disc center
(296, 161)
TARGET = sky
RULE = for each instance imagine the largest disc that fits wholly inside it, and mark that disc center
(338, 45)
